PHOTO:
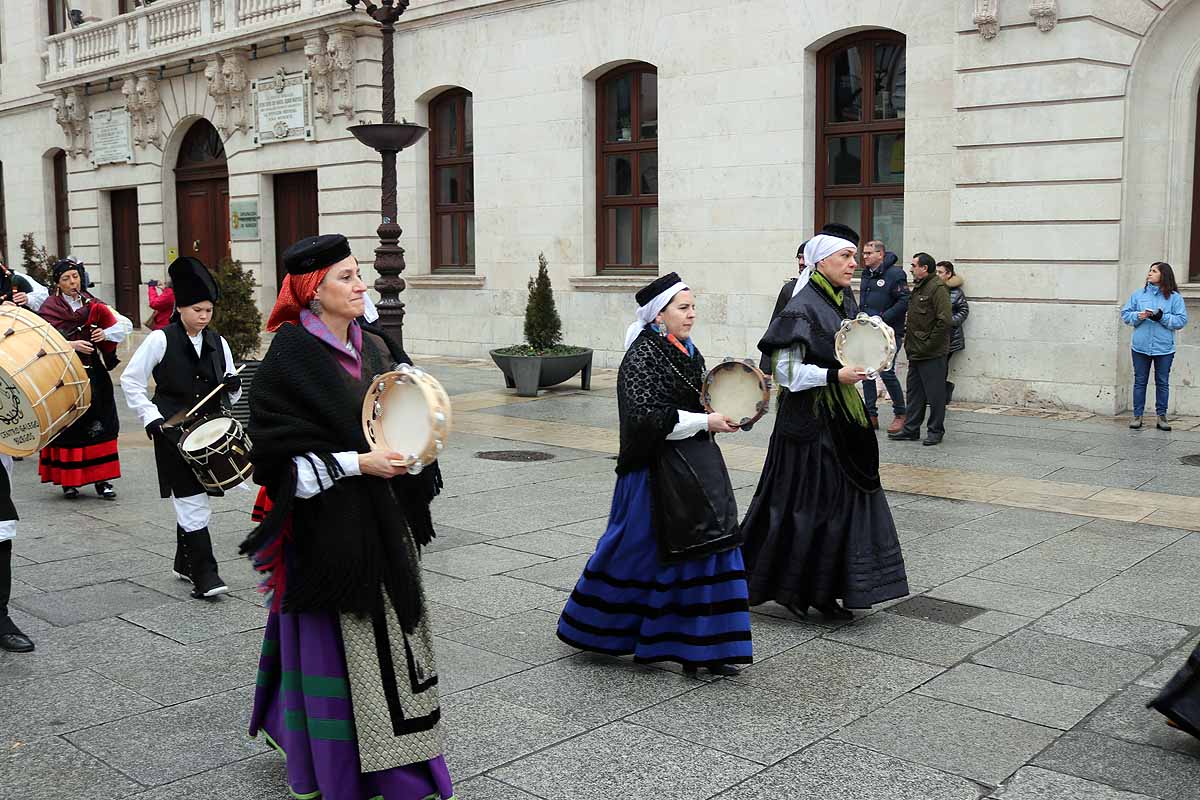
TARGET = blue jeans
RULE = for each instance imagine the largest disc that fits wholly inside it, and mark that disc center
(893, 387)
(1162, 381)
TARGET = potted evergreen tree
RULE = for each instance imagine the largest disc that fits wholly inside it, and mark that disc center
(236, 317)
(542, 361)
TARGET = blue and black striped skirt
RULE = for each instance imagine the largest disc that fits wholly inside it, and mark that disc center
(695, 613)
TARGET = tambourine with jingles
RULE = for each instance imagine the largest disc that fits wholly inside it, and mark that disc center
(407, 411)
(866, 342)
(737, 389)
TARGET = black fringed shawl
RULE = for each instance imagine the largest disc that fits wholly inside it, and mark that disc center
(654, 382)
(347, 541)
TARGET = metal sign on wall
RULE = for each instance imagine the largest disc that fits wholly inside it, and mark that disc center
(112, 138)
(282, 108)
(243, 220)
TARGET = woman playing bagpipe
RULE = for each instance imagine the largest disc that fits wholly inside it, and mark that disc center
(86, 452)
(347, 686)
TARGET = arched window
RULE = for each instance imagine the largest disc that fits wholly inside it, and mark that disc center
(62, 206)
(627, 170)
(452, 182)
(860, 135)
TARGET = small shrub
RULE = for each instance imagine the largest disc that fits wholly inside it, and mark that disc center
(236, 316)
(543, 328)
(35, 261)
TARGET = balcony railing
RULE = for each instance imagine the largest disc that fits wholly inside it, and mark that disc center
(169, 25)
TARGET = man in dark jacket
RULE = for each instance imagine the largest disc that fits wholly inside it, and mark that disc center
(884, 293)
(927, 329)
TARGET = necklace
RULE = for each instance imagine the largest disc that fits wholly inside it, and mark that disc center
(682, 377)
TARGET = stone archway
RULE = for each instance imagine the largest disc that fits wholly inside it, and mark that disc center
(202, 194)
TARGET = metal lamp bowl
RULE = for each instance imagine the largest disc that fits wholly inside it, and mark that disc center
(385, 136)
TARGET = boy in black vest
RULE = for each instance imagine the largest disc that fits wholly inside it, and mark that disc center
(187, 362)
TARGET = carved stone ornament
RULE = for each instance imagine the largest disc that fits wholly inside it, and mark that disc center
(70, 112)
(146, 134)
(987, 17)
(319, 72)
(233, 72)
(341, 57)
(133, 104)
(219, 94)
(1044, 13)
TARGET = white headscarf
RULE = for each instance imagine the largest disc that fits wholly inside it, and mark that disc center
(647, 313)
(820, 247)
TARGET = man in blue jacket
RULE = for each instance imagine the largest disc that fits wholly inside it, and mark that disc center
(884, 293)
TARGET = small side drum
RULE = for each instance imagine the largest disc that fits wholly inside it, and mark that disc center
(44, 386)
(407, 411)
(737, 389)
(218, 451)
(866, 342)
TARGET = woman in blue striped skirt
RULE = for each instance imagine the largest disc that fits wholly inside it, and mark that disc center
(666, 582)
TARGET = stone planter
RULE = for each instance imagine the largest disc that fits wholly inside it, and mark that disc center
(527, 374)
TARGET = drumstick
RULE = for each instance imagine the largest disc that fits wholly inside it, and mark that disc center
(211, 394)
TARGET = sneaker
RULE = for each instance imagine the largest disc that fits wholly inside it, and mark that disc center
(105, 490)
(1137, 423)
(1163, 425)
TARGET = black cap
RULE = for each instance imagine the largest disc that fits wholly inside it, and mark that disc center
(192, 282)
(841, 231)
(657, 287)
(65, 265)
(315, 252)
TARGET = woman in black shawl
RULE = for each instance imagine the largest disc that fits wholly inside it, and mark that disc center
(347, 686)
(819, 528)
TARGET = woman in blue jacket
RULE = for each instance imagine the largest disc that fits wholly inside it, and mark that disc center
(1155, 311)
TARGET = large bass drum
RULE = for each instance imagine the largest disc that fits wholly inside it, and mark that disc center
(44, 386)
(407, 411)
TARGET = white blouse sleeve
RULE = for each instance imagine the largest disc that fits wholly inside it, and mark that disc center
(690, 423)
(793, 374)
(135, 380)
(233, 398)
(312, 477)
(122, 328)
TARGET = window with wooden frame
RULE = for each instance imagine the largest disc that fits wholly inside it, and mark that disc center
(125, 6)
(860, 135)
(452, 183)
(56, 14)
(62, 206)
(1193, 270)
(627, 170)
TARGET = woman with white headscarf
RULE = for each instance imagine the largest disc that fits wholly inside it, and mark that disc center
(666, 582)
(819, 529)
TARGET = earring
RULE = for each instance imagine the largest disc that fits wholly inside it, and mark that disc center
(314, 306)
(662, 329)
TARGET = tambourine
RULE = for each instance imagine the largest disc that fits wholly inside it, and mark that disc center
(737, 389)
(407, 410)
(866, 342)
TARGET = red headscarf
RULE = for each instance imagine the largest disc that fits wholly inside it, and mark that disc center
(295, 294)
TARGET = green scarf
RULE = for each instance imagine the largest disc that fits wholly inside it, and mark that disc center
(843, 397)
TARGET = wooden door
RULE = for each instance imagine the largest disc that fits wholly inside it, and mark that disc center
(127, 261)
(296, 212)
(204, 219)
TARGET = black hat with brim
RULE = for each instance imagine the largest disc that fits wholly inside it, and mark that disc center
(656, 287)
(315, 252)
(192, 282)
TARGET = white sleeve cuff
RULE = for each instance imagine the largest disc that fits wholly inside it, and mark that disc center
(690, 423)
(348, 461)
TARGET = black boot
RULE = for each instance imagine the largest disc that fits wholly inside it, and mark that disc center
(180, 568)
(11, 637)
(202, 565)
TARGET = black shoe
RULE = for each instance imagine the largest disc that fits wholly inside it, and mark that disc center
(904, 436)
(70, 492)
(930, 441)
(105, 490)
(203, 566)
(1137, 423)
(689, 670)
(834, 610)
(727, 670)
(11, 637)
(180, 569)
(801, 612)
(1162, 424)
(15, 642)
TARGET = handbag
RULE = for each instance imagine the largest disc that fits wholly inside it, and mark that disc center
(693, 509)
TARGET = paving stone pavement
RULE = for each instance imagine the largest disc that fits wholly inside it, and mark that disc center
(1021, 674)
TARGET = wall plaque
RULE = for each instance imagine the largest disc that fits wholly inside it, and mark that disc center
(112, 139)
(243, 220)
(282, 108)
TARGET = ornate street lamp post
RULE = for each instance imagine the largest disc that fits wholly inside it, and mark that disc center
(388, 138)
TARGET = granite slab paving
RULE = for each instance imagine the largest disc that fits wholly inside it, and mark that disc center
(1035, 686)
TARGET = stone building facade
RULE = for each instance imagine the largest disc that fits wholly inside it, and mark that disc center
(1048, 148)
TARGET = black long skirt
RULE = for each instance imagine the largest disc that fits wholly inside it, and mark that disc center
(1179, 700)
(812, 536)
